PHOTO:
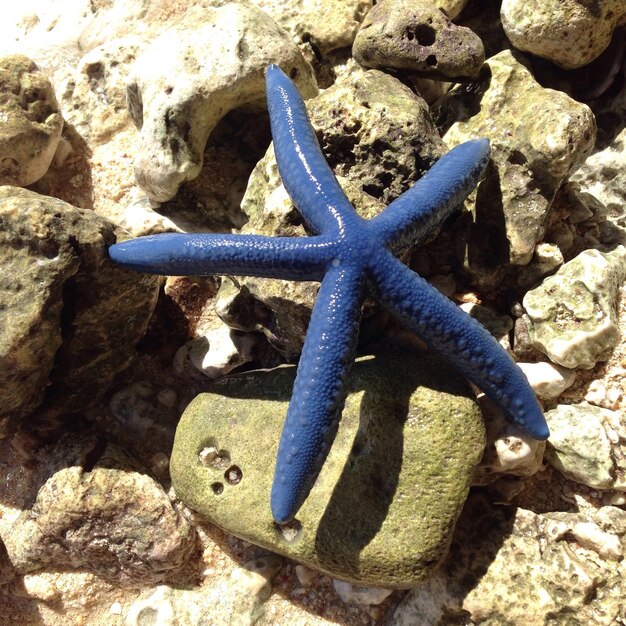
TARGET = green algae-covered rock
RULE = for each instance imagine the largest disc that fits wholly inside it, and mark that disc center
(384, 507)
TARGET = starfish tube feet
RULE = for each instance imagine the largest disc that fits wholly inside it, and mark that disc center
(319, 391)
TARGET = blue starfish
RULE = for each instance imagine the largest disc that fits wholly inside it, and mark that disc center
(349, 256)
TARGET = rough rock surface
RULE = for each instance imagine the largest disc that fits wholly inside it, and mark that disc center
(238, 601)
(7, 571)
(508, 450)
(382, 511)
(569, 33)
(31, 121)
(538, 137)
(69, 318)
(94, 98)
(95, 508)
(512, 566)
(381, 138)
(573, 316)
(417, 37)
(177, 99)
(587, 445)
(325, 26)
(604, 176)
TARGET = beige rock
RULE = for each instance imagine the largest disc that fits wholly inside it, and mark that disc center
(538, 137)
(30, 122)
(418, 37)
(191, 75)
(96, 509)
(569, 33)
(326, 25)
(71, 353)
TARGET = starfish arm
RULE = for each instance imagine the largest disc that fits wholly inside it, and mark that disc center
(308, 179)
(180, 254)
(459, 338)
(425, 206)
(319, 390)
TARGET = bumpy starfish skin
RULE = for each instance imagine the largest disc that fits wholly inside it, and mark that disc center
(351, 257)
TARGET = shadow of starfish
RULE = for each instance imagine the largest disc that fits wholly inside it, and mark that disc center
(350, 257)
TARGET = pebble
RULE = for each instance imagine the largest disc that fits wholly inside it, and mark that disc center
(580, 448)
(353, 594)
(305, 575)
(508, 451)
(240, 420)
(538, 137)
(512, 562)
(607, 545)
(321, 25)
(47, 249)
(97, 509)
(37, 587)
(548, 380)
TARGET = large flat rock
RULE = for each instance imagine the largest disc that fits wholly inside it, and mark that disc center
(385, 504)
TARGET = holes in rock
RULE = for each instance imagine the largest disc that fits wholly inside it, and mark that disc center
(233, 475)
(211, 456)
(431, 60)
(290, 531)
(217, 488)
(423, 34)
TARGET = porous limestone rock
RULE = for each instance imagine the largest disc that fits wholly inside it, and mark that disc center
(384, 506)
(508, 451)
(94, 97)
(546, 259)
(508, 565)
(191, 75)
(572, 314)
(379, 139)
(31, 123)
(587, 445)
(69, 317)
(94, 508)
(538, 137)
(237, 600)
(417, 37)
(325, 25)
(569, 33)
